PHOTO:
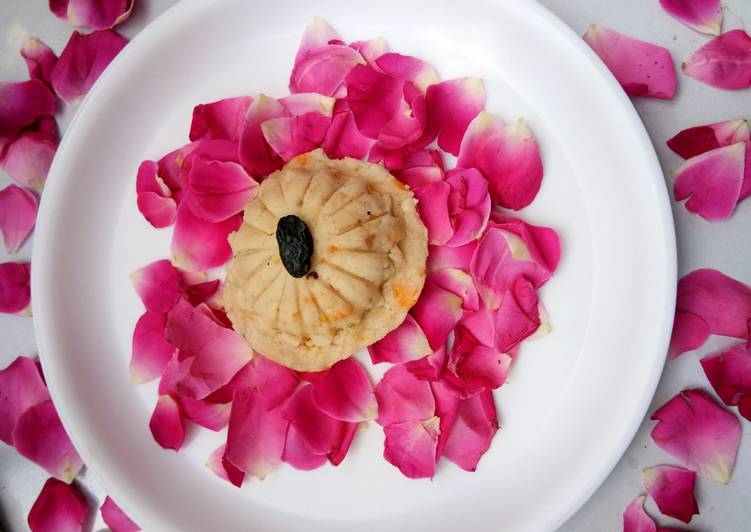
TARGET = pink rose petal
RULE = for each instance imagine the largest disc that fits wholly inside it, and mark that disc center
(291, 136)
(200, 245)
(712, 181)
(724, 62)
(374, 99)
(317, 33)
(345, 393)
(218, 190)
(371, 50)
(255, 154)
(213, 416)
(343, 441)
(92, 14)
(21, 387)
(635, 519)
(21, 104)
(15, 288)
(308, 102)
(154, 197)
(432, 205)
(18, 212)
(83, 60)
(699, 433)
(151, 352)
(159, 285)
(166, 423)
(222, 119)
(700, 139)
(322, 68)
(411, 446)
(437, 311)
(471, 433)
(275, 382)
(729, 373)
(343, 138)
(518, 316)
(408, 68)
(298, 453)
(115, 518)
(704, 16)
(402, 397)
(508, 157)
(475, 367)
(429, 368)
(689, 332)
(642, 68)
(443, 257)
(59, 507)
(406, 342)
(672, 488)
(40, 60)
(459, 283)
(27, 160)
(223, 468)
(451, 106)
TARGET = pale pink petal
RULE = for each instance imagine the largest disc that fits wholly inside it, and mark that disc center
(317, 33)
(343, 139)
(200, 245)
(92, 14)
(158, 284)
(418, 177)
(18, 212)
(700, 139)
(704, 16)
(408, 68)
(15, 288)
(699, 433)
(729, 373)
(429, 368)
(21, 104)
(471, 433)
(451, 106)
(166, 423)
(437, 311)
(411, 446)
(255, 440)
(345, 393)
(222, 119)
(83, 60)
(223, 468)
(371, 50)
(255, 154)
(508, 157)
(672, 488)
(308, 102)
(689, 332)
(712, 181)
(724, 62)
(213, 416)
(291, 136)
(635, 519)
(21, 387)
(115, 518)
(275, 382)
(217, 190)
(323, 69)
(151, 352)
(442, 257)
(518, 315)
(459, 283)
(406, 342)
(374, 98)
(59, 507)
(27, 160)
(402, 397)
(40, 59)
(642, 68)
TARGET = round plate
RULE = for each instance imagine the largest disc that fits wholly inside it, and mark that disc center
(573, 400)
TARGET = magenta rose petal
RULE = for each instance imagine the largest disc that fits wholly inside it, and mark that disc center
(83, 60)
(298, 453)
(469, 205)
(408, 68)
(200, 245)
(92, 14)
(217, 190)
(371, 49)
(402, 397)
(459, 283)
(345, 393)
(642, 68)
(508, 157)
(443, 257)
(317, 33)
(18, 212)
(58, 507)
(255, 154)
(712, 181)
(154, 198)
(704, 16)
(429, 368)
(312, 432)
(437, 311)
(672, 488)
(724, 62)
(222, 119)
(475, 425)
(159, 285)
(223, 468)
(21, 387)
(213, 416)
(150, 351)
(115, 518)
(729, 373)
(689, 332)
(374, 98)
(474, 367)
(343, 138)
(27, 159)
(308, 102)
(699, 433)
(700, 139)
(518, 315)
(166, 423)
(15, 288)
(290, 136)
(451, 106)
(411, 446)
(23, 103)
(432, 205)
(40, 60)
(406, 342)
(322, 61)
(347, 433)
(635, 519)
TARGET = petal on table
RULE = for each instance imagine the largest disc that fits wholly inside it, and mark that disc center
(345, 393)
(159, 285)
(223, 468)
(408, 68)
(200, 245)
(451, 106)
(27, 159)
(317, 33)
(672, 489)
(58, 507)
(15, 288)
(222, 119)
(402, 397)
(442, 257)
(700, 139)
(343, 138)
(218, 190)
(437, 311)
(724, 62)
(729, 373)
(689, 332)
(374, 98)
(635, 519)
(472, 431)
(92, 14)
(411, 446)
(290, 136)
(323, 69)
(642, 68)
(406, 342)
(255, 154)
(166, 423)
(21, 387)
(115, 518)
(40, 60)
(699, 433)
(704, 16)
(18, 212)
(151, 352)
(21, 105)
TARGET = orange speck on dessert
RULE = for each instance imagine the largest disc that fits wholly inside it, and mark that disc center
(332, 249)
(405, 295)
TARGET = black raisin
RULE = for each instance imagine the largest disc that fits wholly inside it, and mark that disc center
(295, 245)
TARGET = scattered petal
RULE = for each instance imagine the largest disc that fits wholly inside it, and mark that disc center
(443, 257)
(308, 102)
(689, 332)
(18, 212)
(429, 368)
(475, 367)
(151, 352)
(371, 50)
(471, 433)
(291, 136)
(115, 518)
(345, 393)
(15, 288)
(218, 190)
(402, 397)
(323, 69)
(317, 33)
(704, 16)
(40, 60)
(635, 519)
(223, 468)
(724, 62)
(255, 154)
(437, 312)
(343, 138)
(154, 197)
(159, 285)
(59, 507)
(518, 316)
(22, 104)
(200, 245)
(213, 416)
(373, 98)
(274, 381)
(411, 446)
(729, 373)
(21, 387)
(408, 68)
(700, 139)
(92, 14)
(459, 283)
(452, 105)
(222, 119)
(672, 488)
(27, 160)
(167, 423)
(406, 342)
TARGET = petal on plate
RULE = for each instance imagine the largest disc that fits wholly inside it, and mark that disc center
(518, 316)
(115, 518)
(472, 431)
(313, 431)
(446, 408)
(345, 393)
(151, 352)
(343, 139)
(371, 50)
(202, 292)
(437, 311)
(459, 283)
(317, 33)
(27, 160)
(469, 205)
(275, 382)
(408, 68)
(343, 441)
(222, 119)
(255, 154)
(507, 155)
(402, 397)
(213, 416)
(404, 129)
(290, 136)
(729, 373)
(374, 98)
(158, 210)
(672, 488)
(159, 285)
(699, 433)
(166, 423)
(21, 105)
(218, 190)
(433, 207)
(451, 106)
(411, 446)
(429, 368)
(40, 60)
(417, 177)
(39, 436)
(200, 245)
(406, 342)
(689, 332)
(83, 60)
(704, 16)
(18, 213)
(21, 387)
(223, 468)
(721, 301)
(700, 139)
(635, 519)
(642, 68)
(58, 507)
(255, 439)
(323, 69)
(308, 102)
(15, 288)
(92, 14)
(298, 453)
(442, 257)
(724, 62)
(476, 367)
(712, 181)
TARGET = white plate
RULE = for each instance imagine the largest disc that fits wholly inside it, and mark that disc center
(574, 399)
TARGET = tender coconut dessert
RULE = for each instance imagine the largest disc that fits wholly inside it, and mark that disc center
(329, 259)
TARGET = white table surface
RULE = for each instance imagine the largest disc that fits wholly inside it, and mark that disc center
(700, 244)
